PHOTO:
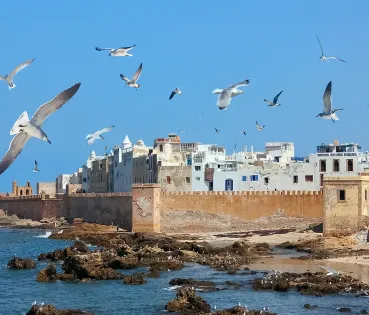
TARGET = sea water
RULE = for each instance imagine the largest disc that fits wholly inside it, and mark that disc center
(19, 289)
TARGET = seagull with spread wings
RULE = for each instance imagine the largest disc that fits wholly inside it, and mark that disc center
(133, 81)
(118, 52)
(275, 100)
(97, 135)
(35, 169)
(176, 91)
(331, 272)
(24, 129)
(217, 130)
(323, 57)
(259, 127)
(9, 78)
(328, 112)
(226, 94)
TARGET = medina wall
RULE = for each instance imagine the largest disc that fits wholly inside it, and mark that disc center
(246, 205)
(104, 208)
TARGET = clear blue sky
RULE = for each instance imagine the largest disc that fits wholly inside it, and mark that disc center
(195, 45)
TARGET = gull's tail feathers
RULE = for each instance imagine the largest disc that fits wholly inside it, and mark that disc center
(23, 119)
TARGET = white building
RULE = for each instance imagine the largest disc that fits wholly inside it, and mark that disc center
(64, 179)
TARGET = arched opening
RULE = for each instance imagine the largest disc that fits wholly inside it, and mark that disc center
(350, 165)
(229, 184)
(336, 166)
(21, 192)
(161, 148)
(27, 192)
(323, 166)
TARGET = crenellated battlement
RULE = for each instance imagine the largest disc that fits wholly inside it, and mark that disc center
(32, 197)
(101, 195)
(243, 193)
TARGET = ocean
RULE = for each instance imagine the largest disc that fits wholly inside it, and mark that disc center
(19, 288)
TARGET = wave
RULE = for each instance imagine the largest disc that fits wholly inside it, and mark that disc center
(46, 235)
(172, 288)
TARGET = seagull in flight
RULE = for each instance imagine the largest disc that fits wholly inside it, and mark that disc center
(323, 57)
(226, 94)
(235, 146)
(9, 78)
(217, 130)
(97, 135)
(331, 272)
(35, 169)
(134, 79)
(328, 112)
(176, 91)
(181, 131)
(259, 127)
(24, 129)
(202, 116)
(118, 52)
(244, 132)
(275, 100)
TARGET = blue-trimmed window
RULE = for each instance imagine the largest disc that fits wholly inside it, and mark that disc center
(244, 178)
(254, 178)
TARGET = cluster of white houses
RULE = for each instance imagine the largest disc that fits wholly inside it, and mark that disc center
(204, 167)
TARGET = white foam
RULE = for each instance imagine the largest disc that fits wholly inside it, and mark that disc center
(172, 288)
(46, 235)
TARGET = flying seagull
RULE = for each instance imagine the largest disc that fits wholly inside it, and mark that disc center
(202, 116)
(35, 169)
(217, 130)
(24, 129)
(226, 94)
(244, 132)
(259, 127)
(235, 146)
(181, 131)
(97, 135)
(323, 57)
(134, 79)
(176, 91)
(331, 272)
(9, 78)
(118, 52)
(328, 112)
(275, 100)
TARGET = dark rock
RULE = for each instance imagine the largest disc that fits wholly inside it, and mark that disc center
(164, 265)
(310, 307)
(240, 310)
(51, 310)
(20, 263)
(136, 278)
(128, 262)
(364, 312)
(192, 282)
(60, 254)
(153, 274)
(187, 302)
(344, 309)
(47, 274)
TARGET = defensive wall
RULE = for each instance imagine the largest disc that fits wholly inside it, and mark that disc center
(141, 210)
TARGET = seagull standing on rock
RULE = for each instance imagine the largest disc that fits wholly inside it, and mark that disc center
(226, 94)
(275, 100)
(9, 78)
(328, 112)
(133, 81)
(176, 91)
(325, 58)
(97, 135)
(24, 129)
(118, 52)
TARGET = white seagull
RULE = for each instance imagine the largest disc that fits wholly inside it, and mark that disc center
(118, 52)
(328, 112)
(259, 127)
(134, 79)
(9, 78)
(331, 272)
(97, 135)
(325, 58)
(24, 129)
(244, 132)
(181, 131)
(226, 94)
(275, 100)
(176, 91)
(35, 169)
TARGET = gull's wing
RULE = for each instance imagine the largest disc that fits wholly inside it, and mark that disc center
(2, 78)
(332, 57)
(104, 130)
(91, 140)
(101, 49)
(320, 44)
(172, 95)
(126, 48)
(327, 98)
(56, 103)
(242, 83)
(36, 164)
(269, 102)
(124, 78)
(20, 67)
(137, 73)
(275, 100)
(224, 98)
(15, 148)
(328, 269)
(257, 125)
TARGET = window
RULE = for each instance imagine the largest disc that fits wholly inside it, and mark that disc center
(197, 168)
(229, 184)
(161, 148)
(366, 194)
(27, 192)
(84, 179)
(350, 165)
(189, 160)
(336, 166)
(100, 166)
(323, 166)
(295, 179)
(266, 180)
(115, 164)
(197, 178)
(309, 178)
(168, 180)
(244, 178)
(254, 178)
(188, 180)
(342, 195)
(21, 192)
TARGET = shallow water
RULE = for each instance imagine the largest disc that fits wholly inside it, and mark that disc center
(19, 287)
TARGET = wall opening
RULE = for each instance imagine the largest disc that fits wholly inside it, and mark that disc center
(188, 180)
(161, 148)
(266, 180)
(342, 195)
(336, 166)
(168, 180)
(295, 179)
(366, 194)
(21, 192)
(229, 184)
(323, 166)
(309, 178)
(350, 165)
(27, 192)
